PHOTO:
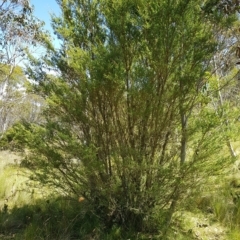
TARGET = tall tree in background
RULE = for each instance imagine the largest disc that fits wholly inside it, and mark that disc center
(224, 68)
(19, 29)
(17, 103)
(128, 123)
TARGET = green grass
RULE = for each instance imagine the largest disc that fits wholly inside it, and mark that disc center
(35, 213)
(53, 219)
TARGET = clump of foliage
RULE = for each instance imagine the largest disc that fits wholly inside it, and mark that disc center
(128, 124)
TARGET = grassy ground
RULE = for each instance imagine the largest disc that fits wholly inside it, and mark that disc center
(7, 157)
(28, 213)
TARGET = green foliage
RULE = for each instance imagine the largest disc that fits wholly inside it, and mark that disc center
(234, 234)
(127, 125)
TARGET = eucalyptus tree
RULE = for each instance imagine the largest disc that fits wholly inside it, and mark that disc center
(224, 76)
(20, 31)
(17, 102)
(128, 125)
